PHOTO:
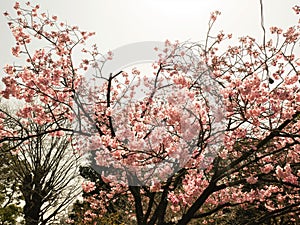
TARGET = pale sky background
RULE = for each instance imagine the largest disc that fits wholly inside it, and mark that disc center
(120, 22)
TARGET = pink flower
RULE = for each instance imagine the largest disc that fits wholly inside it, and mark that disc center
(16, 50)
(9, 69)
(70, 221)
(173, 199)
(17, 6)
(223, 154)
(252, 180)
(60, 133)
(286, 174)
(110, 55)
(214, 15)
(296, 8)
(88, 186)
(279, 172)
(156, 187)
(267, 168)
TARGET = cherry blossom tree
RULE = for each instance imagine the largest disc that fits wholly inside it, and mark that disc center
(214, 131)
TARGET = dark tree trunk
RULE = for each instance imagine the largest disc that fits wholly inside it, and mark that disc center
(33, 200)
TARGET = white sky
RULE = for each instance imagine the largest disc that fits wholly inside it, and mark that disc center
(120, 22)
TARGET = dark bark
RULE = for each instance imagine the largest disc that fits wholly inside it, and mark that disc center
(188, 216)
(33, 200)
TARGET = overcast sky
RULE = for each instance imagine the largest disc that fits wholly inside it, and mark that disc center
(120, 22)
